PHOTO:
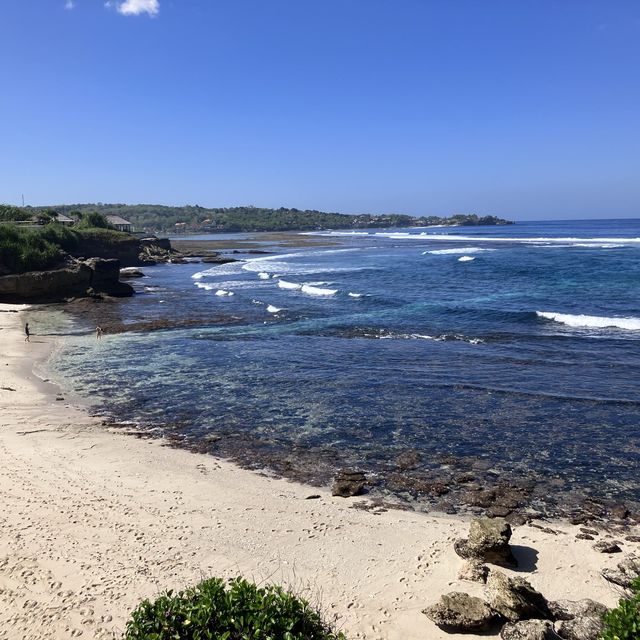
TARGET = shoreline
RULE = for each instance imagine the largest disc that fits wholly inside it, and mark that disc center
(95, 521)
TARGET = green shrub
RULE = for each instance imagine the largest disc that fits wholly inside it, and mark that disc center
(623, 622)
(93, 220)
(240, 611)
(26, 250)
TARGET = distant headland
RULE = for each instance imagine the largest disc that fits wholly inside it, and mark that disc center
(193, 218)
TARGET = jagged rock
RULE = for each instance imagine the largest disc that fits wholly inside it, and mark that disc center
(473, 571)
(76, 280)
(620, 511)
(584, 628)
(584, 536)
(458, 611)
(605, 546)
(131, 272)
(632, 538)
(570, 609)
(529, 630)
(488, 542)
(515, 599)
(348, 483)
(589, 532)
(628, 570)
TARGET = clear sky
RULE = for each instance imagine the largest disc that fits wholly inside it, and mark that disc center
(524, 109)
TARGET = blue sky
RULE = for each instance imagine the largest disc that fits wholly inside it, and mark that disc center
(529, 110)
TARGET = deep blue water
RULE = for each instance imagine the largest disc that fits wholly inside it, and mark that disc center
(523, 361)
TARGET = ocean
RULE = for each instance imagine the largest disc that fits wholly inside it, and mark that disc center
(455, 366)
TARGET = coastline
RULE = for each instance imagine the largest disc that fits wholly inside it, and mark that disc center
(95, 521)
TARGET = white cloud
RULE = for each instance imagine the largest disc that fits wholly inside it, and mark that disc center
(135, 7)
(69, 4)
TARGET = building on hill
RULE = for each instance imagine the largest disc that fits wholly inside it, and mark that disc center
(64, 220)
(119, 223)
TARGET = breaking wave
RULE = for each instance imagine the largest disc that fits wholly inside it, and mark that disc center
(595, 322)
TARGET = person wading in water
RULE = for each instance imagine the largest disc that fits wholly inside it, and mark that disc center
(27, 333)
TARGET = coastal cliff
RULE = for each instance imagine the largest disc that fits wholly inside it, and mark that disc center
(81, 278)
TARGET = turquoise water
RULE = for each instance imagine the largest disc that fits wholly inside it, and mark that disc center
(510, 351)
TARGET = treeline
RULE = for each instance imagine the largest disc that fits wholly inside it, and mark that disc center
(155, 218)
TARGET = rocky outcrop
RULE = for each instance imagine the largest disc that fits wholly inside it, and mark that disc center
(131, 272)
(529, 630)
(473, 571)
(585, 628)
(607, 546)
(78, 279)
(348, 483)
(625, 573)
(488, 541)
(515, 599)
(460, 612)
(570, 609)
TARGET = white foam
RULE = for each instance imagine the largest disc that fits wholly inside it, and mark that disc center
(463, 250)
(597, 322)
(207, 287)
(224, 292)
(272, 309)
(355, 295)
(538, 240)
(283, 284)
(263, 275)
(317, 291)
(466, 259)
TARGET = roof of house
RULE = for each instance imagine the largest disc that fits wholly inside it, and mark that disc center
(60, 217)
(117, 220)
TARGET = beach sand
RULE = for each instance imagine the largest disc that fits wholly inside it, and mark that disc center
(94, 521)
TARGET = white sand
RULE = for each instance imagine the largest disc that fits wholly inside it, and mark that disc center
(94, 521)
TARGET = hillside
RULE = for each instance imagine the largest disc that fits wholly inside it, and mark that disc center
(159, 218)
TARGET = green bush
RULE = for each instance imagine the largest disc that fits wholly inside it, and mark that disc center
(92, 220)
(623, 622)
(26, 250)
(240, 611)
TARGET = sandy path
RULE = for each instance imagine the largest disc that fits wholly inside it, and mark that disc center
(93, 521)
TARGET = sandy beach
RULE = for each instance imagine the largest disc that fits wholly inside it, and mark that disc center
(93, 521)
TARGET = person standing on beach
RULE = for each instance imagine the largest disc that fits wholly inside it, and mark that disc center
(27, 333)
(98, 333)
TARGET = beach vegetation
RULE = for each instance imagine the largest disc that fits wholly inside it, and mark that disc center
(623, 622)
(236, 610)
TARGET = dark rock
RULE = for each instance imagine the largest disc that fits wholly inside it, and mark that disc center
(570, 609)
(584, 628)
(131, 272)
(580, 518)
(464, 478)
(496, 511)
(348, 483)
(408, 460)
(482, 498)
(473, 571)
(584, 536)
(488, 542)
(620, 511)
(315, 496)
(632, 538)
(605, 546)
(217, 259)
(106, 278)
(589, 532)
(515, 599)
(529, 630)
(460, 612)
(517, 519)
